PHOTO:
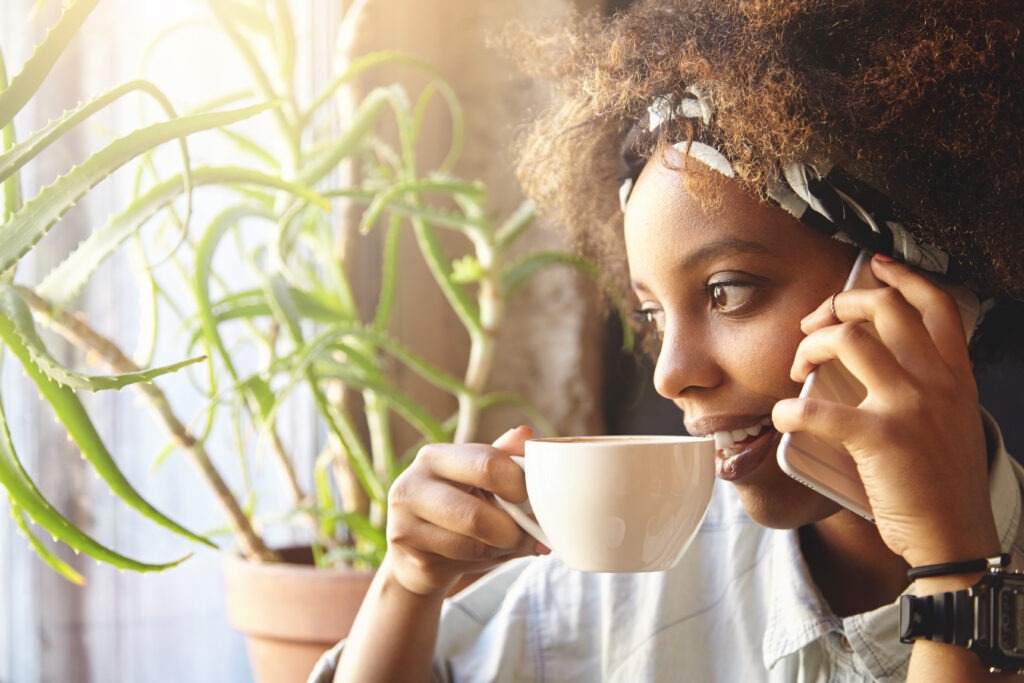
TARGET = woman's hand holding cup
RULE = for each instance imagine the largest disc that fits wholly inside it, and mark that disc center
(442, 522)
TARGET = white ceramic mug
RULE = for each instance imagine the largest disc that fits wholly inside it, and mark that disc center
(616, 503)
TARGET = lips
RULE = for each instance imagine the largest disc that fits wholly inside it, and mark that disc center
(730, 441)
(742, 441)
(743, 457)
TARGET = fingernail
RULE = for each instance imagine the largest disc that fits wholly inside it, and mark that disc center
(542, 549)
(884, 258)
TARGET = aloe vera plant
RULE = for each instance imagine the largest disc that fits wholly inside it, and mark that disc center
(25, 222)
(295, 303)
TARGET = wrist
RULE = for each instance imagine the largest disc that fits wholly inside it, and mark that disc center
(983, 619)
(396, 581)
(943, 584)
(974, 546)
(955, 575)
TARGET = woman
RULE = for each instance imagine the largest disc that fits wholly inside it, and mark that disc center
(739, 154)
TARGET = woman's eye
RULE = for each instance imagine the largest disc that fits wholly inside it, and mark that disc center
(651, 318)
(730, 297)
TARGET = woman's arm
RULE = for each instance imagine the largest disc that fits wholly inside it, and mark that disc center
(393, 635)
(441, 525)
(917, 437)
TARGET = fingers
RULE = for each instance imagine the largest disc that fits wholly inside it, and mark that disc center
(425, 538)
(855, 347)
(514, 440)
(449, 508)
(476, 466)
(442, 520)
(917, 323)
(821, 418)
(939, 311)
(895, 321)
(905, 342)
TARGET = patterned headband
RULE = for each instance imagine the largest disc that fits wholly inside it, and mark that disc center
(820, 196)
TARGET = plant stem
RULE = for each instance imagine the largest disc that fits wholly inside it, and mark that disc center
(483, 345)
(285, 461)
(78, 332)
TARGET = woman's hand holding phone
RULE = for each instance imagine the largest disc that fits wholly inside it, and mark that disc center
(917, 437)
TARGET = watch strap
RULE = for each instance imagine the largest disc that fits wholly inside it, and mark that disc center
(980, 564)
(944, 618)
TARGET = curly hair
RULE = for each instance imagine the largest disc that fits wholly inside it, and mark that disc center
(922, 100)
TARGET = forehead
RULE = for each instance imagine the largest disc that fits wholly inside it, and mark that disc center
(681, 205)
(682, 216)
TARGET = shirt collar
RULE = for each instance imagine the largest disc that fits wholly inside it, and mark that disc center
(798, 615)
(1004, 480)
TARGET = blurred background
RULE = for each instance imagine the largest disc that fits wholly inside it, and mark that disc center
(559, 347)
(171, 626)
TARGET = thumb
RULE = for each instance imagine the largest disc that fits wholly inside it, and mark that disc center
(825, 419)
(514, 440)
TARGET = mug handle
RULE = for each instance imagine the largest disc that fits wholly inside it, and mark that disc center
(522, 513)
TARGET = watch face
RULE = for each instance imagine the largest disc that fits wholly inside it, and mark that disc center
(1010, 625)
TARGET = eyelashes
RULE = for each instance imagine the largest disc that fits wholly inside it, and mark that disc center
(650, 321)
(731, 296)
(727, 297)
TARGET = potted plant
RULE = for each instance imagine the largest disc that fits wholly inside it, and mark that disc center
(283, 323)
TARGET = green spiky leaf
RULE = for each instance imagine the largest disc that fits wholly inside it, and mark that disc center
(73, 416)
(24, 494)
(39, 214)
(16, 317)
(36, 68)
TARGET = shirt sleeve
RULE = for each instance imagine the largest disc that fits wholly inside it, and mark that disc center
(471, 628)
(325, 667)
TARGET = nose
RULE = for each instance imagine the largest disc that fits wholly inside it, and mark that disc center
(685, 361)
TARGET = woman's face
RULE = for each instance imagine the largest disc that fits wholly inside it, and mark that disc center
(726, 287)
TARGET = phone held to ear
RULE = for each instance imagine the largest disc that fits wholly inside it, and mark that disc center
(824, 464)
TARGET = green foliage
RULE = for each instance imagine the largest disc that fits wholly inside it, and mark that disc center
(24, 223)
(286, 293)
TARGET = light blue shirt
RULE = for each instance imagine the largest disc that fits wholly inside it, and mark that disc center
(740, 606)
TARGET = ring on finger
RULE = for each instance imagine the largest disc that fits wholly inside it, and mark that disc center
(832, 308)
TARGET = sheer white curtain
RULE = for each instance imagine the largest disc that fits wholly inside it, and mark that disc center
(122, 626)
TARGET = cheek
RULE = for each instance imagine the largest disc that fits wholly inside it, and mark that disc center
(760, 357)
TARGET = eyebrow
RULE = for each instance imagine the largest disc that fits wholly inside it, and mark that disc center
(727, 246)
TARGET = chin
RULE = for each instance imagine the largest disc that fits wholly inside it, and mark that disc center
(785, 504)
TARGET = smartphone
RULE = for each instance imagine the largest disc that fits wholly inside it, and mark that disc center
(823, 464)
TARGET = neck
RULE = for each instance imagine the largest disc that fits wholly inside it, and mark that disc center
(851, 565)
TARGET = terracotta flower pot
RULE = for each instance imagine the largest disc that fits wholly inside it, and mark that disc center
(290, 612)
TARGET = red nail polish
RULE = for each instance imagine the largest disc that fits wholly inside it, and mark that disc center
(884, 258)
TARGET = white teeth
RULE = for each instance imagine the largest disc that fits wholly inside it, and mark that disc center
(724, 440)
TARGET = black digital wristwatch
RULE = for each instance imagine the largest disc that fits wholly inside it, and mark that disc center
(987, 619)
